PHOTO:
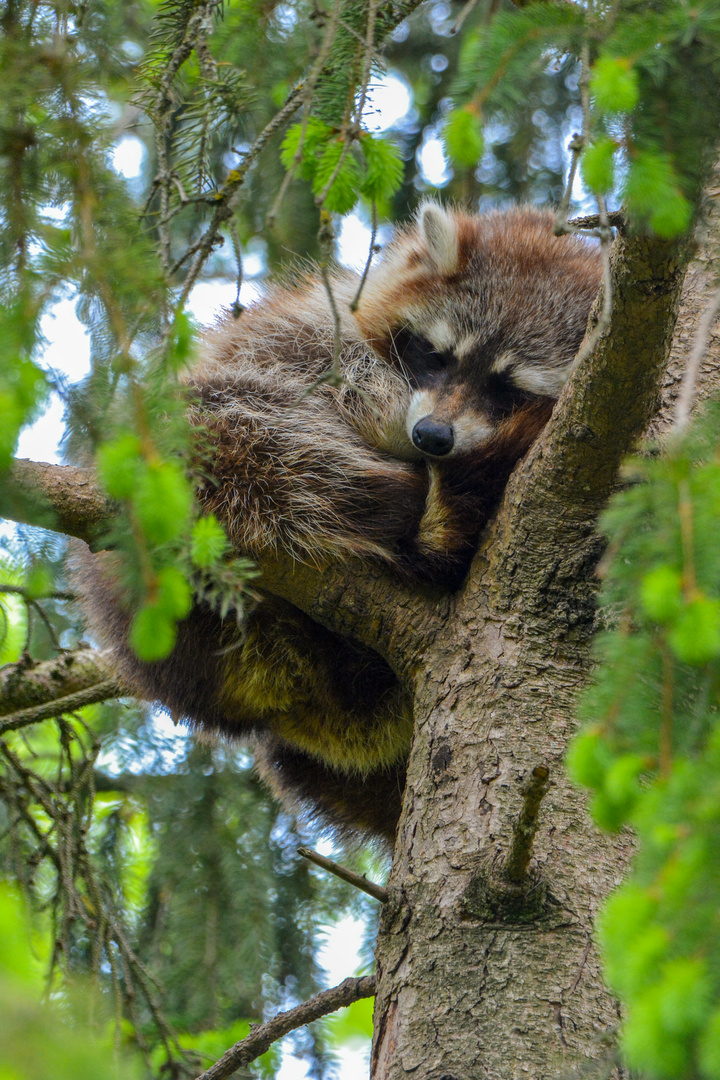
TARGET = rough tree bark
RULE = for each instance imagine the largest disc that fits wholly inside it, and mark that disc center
(484, 968)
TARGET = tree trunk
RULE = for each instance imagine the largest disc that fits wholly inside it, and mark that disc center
(484, 971)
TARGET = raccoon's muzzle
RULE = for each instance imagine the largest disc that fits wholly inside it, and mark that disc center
(432, 437)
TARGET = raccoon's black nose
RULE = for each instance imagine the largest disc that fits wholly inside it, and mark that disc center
(432, 437)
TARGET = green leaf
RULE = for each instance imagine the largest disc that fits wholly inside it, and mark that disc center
(685, 996)
(614, 85)
(316, 134)
(174, 592)
(646, 1044)
(118, 466)
(661, 594)
(463, 137)
(152, 633)
(343, 192)
(709, 1049)
(163, 500)
(182, 342)
(588, 759)
(209, 542)
(384, 168)
(651, 192)
(695, 637)
(598, 166)
(39, 581)
(672, 216)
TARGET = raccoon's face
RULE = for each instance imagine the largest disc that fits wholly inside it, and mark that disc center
(484, 317)
(460, 395)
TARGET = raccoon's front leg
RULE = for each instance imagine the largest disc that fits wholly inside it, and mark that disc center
(289, 473)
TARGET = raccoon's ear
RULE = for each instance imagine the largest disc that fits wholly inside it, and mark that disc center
(439, 231)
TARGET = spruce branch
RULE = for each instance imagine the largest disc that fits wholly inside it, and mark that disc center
(222, 200)
(69, 704)
(30, 692)
(359, 881)
(264, 1035)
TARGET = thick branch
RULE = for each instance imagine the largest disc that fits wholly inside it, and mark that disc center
(27, 686)
(25, 717)
(338, 595)
(555, 495)
(262, 1037)
(63, 498)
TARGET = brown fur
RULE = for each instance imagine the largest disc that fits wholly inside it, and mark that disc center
(468, 323)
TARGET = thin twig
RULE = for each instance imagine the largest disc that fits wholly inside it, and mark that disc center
(369, 46)
(378, 892)
(575, 146)
(589, 223)
(262, 1037)
(223, 207)
(468, 8)
(22, 590)
(525, 827)
(372, 250)
(605, 317)
(308, 91)
(604, 230)
(326, 238)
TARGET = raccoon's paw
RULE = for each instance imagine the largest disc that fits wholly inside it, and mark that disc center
(441, 550)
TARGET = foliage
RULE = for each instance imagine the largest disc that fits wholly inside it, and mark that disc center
(69, 1049)
(651, 102)
(650, 751)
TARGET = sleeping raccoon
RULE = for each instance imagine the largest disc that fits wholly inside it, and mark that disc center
(463, 338)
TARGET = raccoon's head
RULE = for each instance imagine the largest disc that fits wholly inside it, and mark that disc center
(484, 315)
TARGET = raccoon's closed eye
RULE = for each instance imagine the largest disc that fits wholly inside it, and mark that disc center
(421, 360)
(503, 398)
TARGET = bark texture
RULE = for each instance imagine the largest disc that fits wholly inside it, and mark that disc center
(63, 498)
(701, 282)
(27, 685)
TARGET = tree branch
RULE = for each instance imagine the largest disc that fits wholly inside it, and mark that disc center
(525, 827)
(27, 686)
(359, 881)
(555, 495)
(262, 1037)
(338, 594)
(63, 498)
(100, 692)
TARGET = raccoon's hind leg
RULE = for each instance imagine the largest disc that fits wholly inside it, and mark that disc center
(353, 804)
(325, 696)
(280, 674)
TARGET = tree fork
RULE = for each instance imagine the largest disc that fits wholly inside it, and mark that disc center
(495, 695)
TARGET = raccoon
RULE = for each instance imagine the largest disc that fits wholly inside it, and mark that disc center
(463, 337)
